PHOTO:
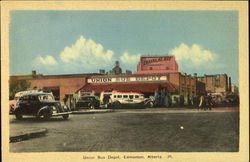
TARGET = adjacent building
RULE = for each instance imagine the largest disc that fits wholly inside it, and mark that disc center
(217, 83)
(60, 85)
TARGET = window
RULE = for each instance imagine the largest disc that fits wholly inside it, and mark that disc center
(46, 98)
(114, 96)
(136, 96)
(119, 96)
(131, 96)
(33, 98)
(150, 68)
(125, 96)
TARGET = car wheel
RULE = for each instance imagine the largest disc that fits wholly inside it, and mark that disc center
(92, 106)
(66, 116)
(117, 105)
(19, 116)
(46, 116)
(38, 116)
(150, 104)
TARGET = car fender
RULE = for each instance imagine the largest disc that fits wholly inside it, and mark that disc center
(42, 109)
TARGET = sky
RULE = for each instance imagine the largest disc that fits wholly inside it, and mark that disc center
(72, 42)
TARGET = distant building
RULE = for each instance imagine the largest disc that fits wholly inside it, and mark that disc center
(217, 83)
(128, 72)
(235, 89)
(102, 71)
(157, 64)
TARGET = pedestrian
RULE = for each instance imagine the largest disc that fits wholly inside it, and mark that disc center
(209, 102)
(202, 103)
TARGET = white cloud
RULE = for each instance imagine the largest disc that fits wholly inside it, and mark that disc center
(47, 60)
(130, 59)
(194, 55)
(88, 53)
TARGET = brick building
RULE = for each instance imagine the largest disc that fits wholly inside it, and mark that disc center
(173, 83)
(217, 83)
(59, 85)
(153, 73)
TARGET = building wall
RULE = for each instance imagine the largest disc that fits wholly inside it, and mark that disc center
(185, 84)
(235, 89)
(66, 85)
(157, 64)
(215, 83)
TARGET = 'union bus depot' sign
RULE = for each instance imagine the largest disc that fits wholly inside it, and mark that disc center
(127, 79)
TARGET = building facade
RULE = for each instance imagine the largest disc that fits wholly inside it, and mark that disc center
(215, 83)
(154, 74)
(60, 85)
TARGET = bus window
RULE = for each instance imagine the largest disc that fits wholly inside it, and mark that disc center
(136, 96)
(114, 96)
(119, 96)
(131, 96)
(125, 96)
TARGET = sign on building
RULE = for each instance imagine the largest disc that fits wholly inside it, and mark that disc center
(127, 79)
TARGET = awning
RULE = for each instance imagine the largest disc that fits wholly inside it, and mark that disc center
(129, 87)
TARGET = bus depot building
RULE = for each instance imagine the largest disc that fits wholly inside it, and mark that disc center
(156, 76)
(156, 85)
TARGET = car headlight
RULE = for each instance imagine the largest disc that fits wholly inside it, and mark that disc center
(65, 107)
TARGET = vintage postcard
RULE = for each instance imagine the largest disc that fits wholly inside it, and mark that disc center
(124, 81)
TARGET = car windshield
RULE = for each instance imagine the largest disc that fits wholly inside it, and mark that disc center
(46, 98)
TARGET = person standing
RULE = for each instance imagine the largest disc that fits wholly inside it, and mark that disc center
(201, 104)
(209, 102)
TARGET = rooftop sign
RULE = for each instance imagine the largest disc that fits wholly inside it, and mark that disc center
(127, 79)
(149, 60)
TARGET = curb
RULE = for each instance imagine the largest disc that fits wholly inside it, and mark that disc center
(92, 111)
(29, 134)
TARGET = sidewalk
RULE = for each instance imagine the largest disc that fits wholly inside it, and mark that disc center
(181, 109)
(25, 134)
(91, 111)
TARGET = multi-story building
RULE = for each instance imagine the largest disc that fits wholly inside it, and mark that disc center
(217, 83)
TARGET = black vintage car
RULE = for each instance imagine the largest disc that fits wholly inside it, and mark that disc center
(40, 105)
(88, 102)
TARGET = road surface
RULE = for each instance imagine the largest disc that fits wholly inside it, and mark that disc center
(133, 131)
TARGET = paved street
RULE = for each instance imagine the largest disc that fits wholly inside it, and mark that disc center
(141, 130)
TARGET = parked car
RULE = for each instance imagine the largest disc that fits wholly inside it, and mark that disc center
(90, 102)
(40, 105)
(117, 99)
(13, 101)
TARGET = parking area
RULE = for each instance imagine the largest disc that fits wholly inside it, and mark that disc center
(134, 130)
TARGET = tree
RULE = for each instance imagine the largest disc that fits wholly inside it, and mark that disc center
(17, 86)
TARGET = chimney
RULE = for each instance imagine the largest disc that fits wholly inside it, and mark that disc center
(229, 85)
(128, 72)
(101, 71)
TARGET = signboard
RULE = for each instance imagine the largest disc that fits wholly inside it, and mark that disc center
(127, 79)
(149, 60)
